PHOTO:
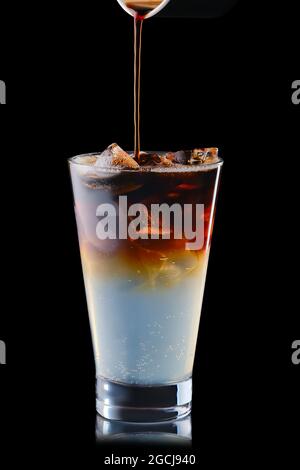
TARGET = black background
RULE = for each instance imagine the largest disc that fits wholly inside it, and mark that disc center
(197, 8)
(221, 82)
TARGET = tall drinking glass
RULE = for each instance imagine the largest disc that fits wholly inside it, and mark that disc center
(144, 239)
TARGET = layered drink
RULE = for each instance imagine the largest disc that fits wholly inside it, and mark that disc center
(145, 230)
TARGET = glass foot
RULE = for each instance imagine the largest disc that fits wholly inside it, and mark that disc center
(138, 403)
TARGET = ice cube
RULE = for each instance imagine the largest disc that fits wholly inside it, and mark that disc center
(154, 159)
(166, 162)
(198, 156)
(206, 155)
(181, 157)
(115, 157)
(85, 164)
(145, 158)
(111, 184)
(170, 156)
(212, 154)
(86, 159)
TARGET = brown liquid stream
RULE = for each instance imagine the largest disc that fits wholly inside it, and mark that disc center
(141, 9)
(138, 26)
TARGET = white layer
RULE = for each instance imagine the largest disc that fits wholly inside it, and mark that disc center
(144, 336)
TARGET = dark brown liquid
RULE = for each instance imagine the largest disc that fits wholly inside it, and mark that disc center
(138, 26)
(145, 188)
(140, 8)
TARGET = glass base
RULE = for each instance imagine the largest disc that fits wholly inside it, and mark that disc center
(173, 432)
(138, 403)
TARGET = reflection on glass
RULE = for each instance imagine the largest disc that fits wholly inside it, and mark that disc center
(174, 432)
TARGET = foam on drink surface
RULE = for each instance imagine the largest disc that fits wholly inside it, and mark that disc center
(114, 158)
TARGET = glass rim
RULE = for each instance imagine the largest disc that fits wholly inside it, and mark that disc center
(151, 13)
(157, 169)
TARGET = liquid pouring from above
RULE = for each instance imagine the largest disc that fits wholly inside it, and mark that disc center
(140, 10)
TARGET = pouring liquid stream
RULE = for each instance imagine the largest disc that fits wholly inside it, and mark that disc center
(138, 26)
(140, 10)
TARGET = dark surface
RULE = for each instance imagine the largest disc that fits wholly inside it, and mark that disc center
(225, 83)
(197, 8)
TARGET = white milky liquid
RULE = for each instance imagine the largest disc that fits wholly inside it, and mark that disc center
(145, 336)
